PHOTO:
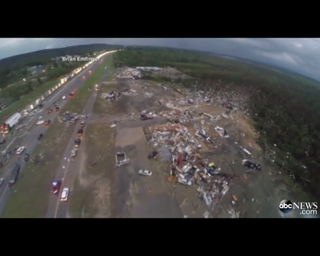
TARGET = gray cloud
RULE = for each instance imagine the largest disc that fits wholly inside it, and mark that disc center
(301, 55)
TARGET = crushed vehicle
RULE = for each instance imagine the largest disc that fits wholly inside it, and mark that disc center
(251, 165)
(49, 111)
(80, 132)
(144, 116)
(40, 136)
(184, 181)
(153, 154)
(77, 143)
(121, 159)
(145, 172)
(74, 152)
(55, 187)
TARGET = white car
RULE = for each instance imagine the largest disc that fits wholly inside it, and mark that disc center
(74, 152)
(145, 172)
(63, 97)
(40, 122)
(184, 181)
(65, 195)
(20, 150)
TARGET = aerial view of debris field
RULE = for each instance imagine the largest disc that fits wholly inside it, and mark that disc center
(199, 142)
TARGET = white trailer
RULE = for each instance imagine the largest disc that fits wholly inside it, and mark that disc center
(13, 120)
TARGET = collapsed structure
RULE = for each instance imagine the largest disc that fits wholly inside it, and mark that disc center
(70, 117)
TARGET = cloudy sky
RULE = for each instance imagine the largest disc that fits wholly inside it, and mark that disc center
(298, 54)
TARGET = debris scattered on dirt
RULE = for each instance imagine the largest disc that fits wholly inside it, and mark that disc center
(115, 95)
(71, 117)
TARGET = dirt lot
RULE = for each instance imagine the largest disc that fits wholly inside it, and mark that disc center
(33, 189)
(132, 195)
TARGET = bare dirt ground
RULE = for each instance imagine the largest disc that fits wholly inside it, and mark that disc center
(121, 192)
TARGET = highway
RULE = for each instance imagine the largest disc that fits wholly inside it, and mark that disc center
(69, 167)
(30, 141)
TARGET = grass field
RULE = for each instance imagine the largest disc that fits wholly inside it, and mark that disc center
(101, 106)
(33, 189)
(80, 99)
(86, 197)
(28, 99)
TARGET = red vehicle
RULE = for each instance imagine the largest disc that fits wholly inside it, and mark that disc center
(70, 95)
(90, 72)
(84, 77)
(56, 185)
(74, 91)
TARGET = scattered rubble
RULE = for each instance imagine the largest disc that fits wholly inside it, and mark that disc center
(129, 73)
(115, 95)
(70, 117)
(181, 147)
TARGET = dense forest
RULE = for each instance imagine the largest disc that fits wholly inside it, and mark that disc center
(14, 68)
(285, 107)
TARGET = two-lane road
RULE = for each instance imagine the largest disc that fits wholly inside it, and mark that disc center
(31, 139)
(69, 167)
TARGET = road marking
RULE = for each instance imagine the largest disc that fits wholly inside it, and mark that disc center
(4, 191)
(59, 195)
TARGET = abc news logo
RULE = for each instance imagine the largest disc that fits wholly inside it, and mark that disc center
(287, 206)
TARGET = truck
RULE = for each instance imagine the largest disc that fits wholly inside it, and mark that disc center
(10, 123)
(121, 159)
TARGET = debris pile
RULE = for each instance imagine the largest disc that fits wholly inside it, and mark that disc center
(149, 68)
(116, 94)
(70, 117)
(129, 73)
(182, 148)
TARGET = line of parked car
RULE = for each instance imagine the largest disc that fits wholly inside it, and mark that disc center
(77, 141)
(56, 185)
